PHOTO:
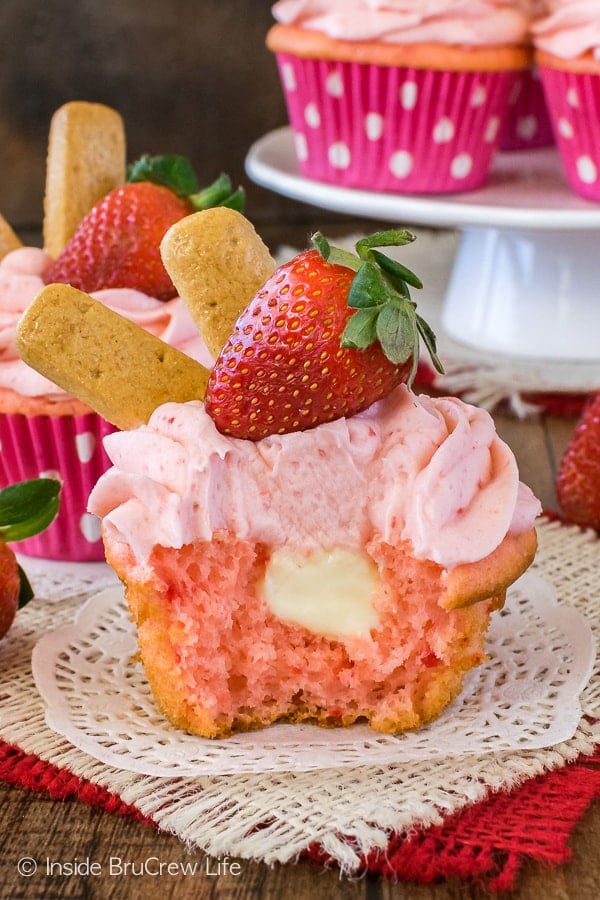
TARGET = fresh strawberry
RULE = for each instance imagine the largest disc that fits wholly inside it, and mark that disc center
(10, 587)
(25, 509)
(328, 334)
(578, 480)
(118, 243)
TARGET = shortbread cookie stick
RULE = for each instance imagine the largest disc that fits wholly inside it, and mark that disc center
(108, 362)
(86, 160)
(8, 239)
(217, 262)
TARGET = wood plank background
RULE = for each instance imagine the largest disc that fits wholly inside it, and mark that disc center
(188, 76)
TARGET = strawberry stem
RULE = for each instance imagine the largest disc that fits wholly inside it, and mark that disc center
(219, 193)
(380, 293)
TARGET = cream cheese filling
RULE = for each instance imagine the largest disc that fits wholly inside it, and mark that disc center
(329, 592)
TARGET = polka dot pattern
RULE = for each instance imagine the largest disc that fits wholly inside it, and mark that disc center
(374, 125)
(85, 446)
(574, 103)
(527, 124)
(69, 449)
(409, 93)
(393, 129)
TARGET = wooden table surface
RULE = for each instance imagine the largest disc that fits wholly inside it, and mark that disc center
(48, 831)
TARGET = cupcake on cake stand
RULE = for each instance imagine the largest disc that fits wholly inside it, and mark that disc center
(522, 292)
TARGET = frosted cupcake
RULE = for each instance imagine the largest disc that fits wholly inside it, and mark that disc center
(310, 542)
(103, 224)
(44, 431)
(268, 582)
(403, 97)
(315, 543)
(567, 54)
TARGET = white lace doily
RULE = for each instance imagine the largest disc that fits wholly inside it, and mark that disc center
(53, 581)
(525, 697)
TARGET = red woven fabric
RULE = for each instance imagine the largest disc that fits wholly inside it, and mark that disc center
(558, 404)
(552, 403)
(29, 771)
(486, 842)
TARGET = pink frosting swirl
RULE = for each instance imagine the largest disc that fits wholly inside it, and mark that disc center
(21, 279)
(571, 29)
(432, 471)
(464, 22)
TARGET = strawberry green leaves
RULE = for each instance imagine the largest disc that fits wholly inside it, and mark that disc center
(380, 293)
(219, 193)
(171, 170)
(177, 173)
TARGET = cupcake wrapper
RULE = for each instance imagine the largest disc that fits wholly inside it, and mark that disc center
(527, 125)
(70, 449)
(574, 103)
(394, 129)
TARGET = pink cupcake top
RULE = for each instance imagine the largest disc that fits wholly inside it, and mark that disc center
(533, 8)
(571, 29)
(472, 23)
(432, 471)
(21, 279)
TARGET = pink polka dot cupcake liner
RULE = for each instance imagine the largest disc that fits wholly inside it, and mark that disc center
(527, 125)
(70, 449)
(573, 100)
(396, 129)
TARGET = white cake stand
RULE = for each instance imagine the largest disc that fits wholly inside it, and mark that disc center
(525, 282)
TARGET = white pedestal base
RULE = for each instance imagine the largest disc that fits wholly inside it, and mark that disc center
(528, 293)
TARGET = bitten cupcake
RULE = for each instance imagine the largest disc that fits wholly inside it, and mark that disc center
(405, 97)
(567, 54)
(314, 542)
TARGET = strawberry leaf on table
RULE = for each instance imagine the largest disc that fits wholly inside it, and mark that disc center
(327, 335)
(26, 508)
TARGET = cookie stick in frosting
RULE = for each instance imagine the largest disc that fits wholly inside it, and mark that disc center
(86, 159)
(217, 262)
(122, 371)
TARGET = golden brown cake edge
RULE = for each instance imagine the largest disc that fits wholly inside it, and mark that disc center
(310, 44)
